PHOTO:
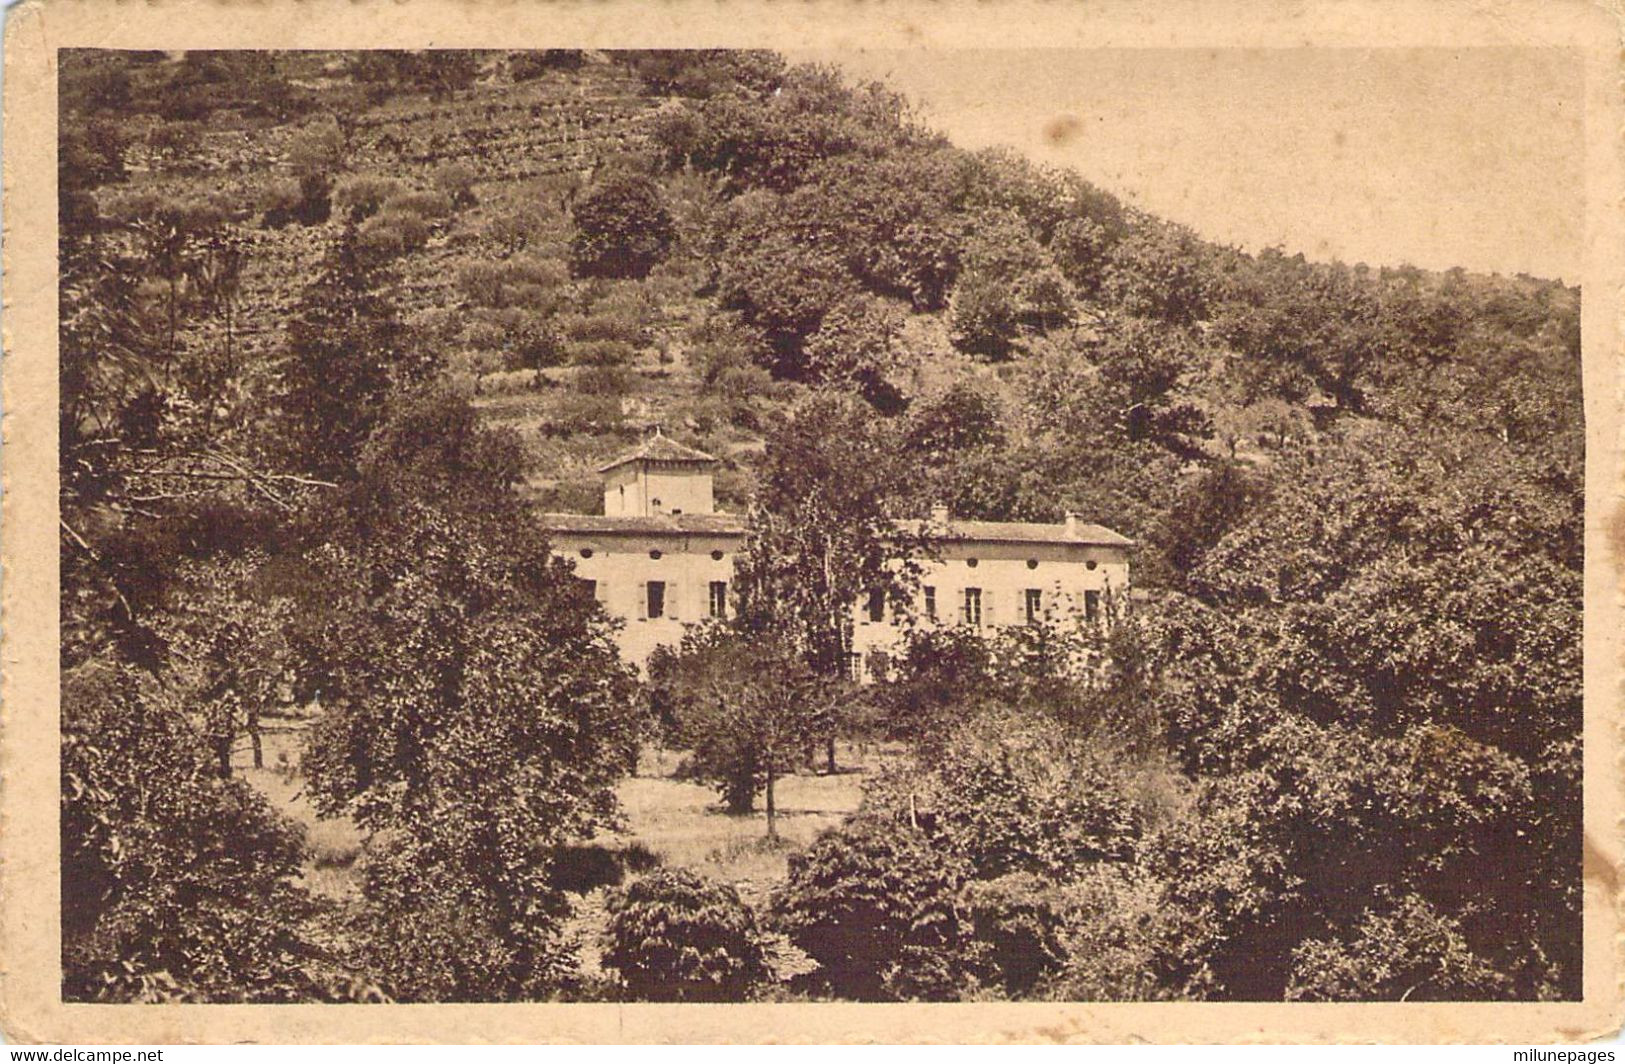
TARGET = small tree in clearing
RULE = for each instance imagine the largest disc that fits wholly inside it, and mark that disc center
(746, 708)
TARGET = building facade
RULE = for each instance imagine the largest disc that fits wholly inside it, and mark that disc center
(660, 557)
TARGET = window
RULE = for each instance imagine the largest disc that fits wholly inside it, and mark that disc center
(970, 563)
(854, 667)
(716, 556)
(876, 610)
(592, 588)
(719, 598)
(1032, 563)
(930, 603)
(1035, 605)
(657, 599)
(1091, 605)
(654, 554)
(973, 607)
(586, 552)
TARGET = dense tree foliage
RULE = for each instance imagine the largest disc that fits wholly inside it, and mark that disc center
(673, 936)
(622, 228)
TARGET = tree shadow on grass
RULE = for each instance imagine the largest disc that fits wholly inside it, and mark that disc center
(580, 868)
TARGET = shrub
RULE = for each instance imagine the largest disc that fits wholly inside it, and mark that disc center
(1015, 795)
(380, 242)
(362, 195)
(984, 313)
(1404, 949)
(601, 353)
(873, 903)
(428, 205)
(674, 936)
(1015, 924)
(604, 380)
(609, 327)
(526, 225)
(537, 344)
(575, 414)
(527, 66)
(622, 228)
(456, 179)
(481, 283)
(394, 232)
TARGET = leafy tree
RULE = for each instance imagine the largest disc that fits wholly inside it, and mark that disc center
(963, 418)
(177, 885)
(1143, 369)
(623, 228)
(674, 936)
(1008, 285)
(1158, 271)
(782, 280)
(745, 707)
(857, 345)
(773, 141)
(822, 535)
(874, 904)
(343, 355)
(494, 745)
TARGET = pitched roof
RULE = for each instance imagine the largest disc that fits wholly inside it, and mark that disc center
(654, 524)
(658, 448)
(1017, 532)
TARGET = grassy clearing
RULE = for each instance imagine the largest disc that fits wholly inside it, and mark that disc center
(684, 825)
(333, 845)
(670, 822)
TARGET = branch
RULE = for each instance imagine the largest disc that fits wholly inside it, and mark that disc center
(97, 558)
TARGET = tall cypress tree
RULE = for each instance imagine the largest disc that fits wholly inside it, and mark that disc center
(344, 353)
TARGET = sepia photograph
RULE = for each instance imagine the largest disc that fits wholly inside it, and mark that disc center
(821, 524)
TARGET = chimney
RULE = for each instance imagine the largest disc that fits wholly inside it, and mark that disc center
(1071, 524)
(939, 514)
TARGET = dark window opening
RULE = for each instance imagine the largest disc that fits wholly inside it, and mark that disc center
(719, 598)
(1035, 604)
(657, 599)
(586, 552)
(655, 555)
(1091, 605)
(877, 605)
(931, 603)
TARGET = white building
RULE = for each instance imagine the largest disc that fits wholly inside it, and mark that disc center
(661, 557)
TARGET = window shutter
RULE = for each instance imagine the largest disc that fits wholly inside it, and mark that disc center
(643, 600)
(988, 616)
(674, 596)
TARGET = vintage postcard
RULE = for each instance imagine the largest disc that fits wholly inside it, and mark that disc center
(743, 522)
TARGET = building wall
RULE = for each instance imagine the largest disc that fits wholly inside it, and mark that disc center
(1063, 573)
(638, 489)
(622, 566)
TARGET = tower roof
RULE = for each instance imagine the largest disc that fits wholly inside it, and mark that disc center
(659, 448)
